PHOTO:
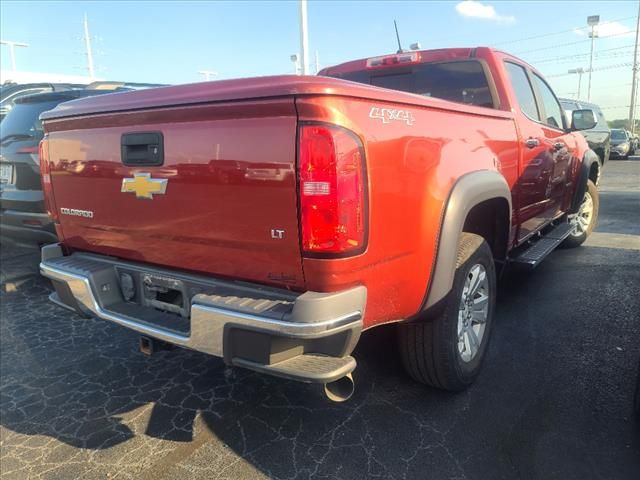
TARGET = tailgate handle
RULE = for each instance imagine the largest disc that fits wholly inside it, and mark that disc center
(142, 149)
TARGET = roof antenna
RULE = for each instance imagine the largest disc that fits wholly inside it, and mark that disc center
(400, 50)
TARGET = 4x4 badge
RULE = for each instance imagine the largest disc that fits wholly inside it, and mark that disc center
(144, 186)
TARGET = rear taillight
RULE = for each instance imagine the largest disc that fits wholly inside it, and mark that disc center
(45, 176)
(333, 191)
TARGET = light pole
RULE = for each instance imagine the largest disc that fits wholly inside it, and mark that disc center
(304, 39)
(87, 45)
(579, 71)
(12, 51)
(592, 21)
(632, 106)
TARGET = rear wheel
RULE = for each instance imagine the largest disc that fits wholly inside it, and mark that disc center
(447, 352)
(585, 220)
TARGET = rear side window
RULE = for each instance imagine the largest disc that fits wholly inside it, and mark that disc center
(24, 119)
(524, 92)
(552, 108)
(463, 81)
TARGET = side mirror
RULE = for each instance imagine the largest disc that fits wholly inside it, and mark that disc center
(583, 119)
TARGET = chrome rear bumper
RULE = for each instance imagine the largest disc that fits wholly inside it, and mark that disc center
(246, 325)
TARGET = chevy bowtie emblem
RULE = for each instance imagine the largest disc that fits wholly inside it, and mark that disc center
(144, 186)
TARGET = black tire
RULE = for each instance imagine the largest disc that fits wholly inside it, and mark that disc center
(429, 348)
(572, 240)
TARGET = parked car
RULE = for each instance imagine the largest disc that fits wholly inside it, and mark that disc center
(598, 137)
(10, 92)
(620, 143)
(23, 217)
(416, 181)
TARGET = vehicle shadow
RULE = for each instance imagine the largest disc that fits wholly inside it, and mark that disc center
(83, 382)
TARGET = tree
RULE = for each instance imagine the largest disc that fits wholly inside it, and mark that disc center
(623, 123)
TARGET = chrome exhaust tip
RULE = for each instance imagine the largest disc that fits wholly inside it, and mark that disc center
(340, 390)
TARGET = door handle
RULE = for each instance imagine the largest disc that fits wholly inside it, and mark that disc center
(532, 142)
(142, 149)
(558, 146)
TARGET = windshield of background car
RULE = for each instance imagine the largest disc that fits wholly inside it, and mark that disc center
(457, 81)
(24, 119)
(618, 135)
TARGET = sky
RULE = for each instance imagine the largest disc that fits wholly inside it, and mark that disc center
(170, 41)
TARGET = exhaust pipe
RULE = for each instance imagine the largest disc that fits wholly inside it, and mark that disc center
(149, 346)
(146, 345)
(340, 390)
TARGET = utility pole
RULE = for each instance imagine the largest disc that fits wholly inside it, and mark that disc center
(304, 38)
(12, 51)
(207, 74)
(592, 21)
(87, 44)
(632, 106)
(579, 71)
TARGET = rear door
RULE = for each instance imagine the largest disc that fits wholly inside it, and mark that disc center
(561, 142)
(546, 151)
(222, 199)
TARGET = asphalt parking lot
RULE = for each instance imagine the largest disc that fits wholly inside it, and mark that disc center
(77, 399)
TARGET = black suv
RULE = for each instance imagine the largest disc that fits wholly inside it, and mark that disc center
(11, 92)
(23, 218)
(599, 137)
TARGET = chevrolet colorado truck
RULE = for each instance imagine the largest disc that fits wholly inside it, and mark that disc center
(270, 221)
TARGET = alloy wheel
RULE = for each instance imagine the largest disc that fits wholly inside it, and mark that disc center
(473, 312)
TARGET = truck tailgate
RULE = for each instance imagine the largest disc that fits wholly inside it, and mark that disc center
(223, 201)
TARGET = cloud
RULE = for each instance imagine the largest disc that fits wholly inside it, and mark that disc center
(607, 29)
(475, 9)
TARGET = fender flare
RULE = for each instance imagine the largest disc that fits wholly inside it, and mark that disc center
(583, 176)
(469, 190)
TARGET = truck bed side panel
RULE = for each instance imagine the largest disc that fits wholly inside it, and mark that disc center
(412, 166)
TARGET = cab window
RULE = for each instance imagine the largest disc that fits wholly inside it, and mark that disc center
(461, 81)
(552, 109)
(523, 90)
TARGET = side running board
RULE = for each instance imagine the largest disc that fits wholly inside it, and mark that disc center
(538, 250)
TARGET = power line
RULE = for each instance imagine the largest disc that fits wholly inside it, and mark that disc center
(618, 55)
(573, 43)
(557, 33)
(577, 55)
(606, 67)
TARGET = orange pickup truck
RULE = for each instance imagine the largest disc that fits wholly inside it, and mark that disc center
(270, 221)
